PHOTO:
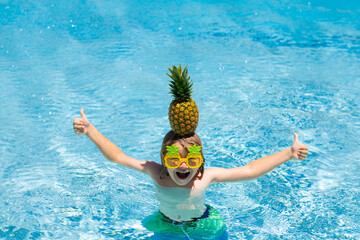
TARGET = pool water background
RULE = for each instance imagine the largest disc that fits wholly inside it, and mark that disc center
(261, 70)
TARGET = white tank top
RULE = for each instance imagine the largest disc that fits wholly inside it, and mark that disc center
(180, 204)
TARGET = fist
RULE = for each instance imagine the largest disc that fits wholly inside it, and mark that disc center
(299, 150)
(82, 124)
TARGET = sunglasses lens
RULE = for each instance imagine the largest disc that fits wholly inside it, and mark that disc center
(173, 162)
(194, 162)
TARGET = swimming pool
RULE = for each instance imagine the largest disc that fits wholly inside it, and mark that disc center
(261, 70)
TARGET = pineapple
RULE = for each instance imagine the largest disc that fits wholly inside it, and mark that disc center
(183, 111)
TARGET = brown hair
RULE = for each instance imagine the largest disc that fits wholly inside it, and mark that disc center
(170, 138)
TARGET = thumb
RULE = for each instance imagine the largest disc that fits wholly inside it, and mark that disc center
(83, 116)
(296, 138)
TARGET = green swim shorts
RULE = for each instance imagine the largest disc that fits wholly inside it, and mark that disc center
(209, 226)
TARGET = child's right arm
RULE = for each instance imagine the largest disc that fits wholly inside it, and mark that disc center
(109, 149)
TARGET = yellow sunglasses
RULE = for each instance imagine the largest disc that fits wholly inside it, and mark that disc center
(173, 159)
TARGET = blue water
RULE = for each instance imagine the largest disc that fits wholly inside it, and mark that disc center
(261, 70)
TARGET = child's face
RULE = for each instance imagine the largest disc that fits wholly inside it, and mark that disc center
(183, 174)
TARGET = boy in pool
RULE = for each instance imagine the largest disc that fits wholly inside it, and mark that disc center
(181, 180)
(171, 177)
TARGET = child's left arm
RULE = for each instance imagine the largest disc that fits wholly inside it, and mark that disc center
(260, 166)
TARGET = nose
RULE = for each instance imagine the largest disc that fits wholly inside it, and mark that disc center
(183, 165)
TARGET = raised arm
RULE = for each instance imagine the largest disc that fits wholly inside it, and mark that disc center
(109, 149)
(260, 166)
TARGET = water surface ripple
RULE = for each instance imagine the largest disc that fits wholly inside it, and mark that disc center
(261, 70)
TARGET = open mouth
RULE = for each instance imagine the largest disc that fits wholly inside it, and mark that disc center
(182, 175)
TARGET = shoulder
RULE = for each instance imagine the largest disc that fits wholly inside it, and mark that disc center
(211, 175)
(151, 168)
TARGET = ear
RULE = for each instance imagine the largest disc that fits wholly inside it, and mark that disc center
(164, 172)
(200, 171)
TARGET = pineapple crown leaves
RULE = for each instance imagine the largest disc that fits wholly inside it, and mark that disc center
(194, 150)
(180, 84)
(172, 150)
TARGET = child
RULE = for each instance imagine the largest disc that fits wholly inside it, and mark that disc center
(181, 180)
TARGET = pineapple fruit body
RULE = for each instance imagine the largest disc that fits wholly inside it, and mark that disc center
(183, 116)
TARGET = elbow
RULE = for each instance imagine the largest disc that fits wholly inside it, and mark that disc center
(119, 157)
(252, 172)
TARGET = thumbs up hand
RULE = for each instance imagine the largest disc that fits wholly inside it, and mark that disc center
(81, 125)
(299, 150)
